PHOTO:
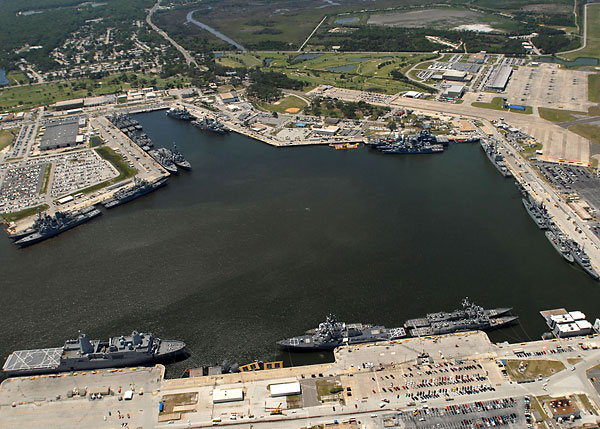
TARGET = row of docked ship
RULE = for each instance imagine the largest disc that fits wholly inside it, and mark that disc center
(140, 187)
(205, 123)
(492, 152)
(569, 249)
(46, 226)
(169, 159)
(398, 144)
(332, 333)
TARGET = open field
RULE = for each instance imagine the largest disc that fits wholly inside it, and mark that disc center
(6, 137)
(30, 96)
(290, 102)
(594, 88)
(556, 115)
(592, 48)
(590, 132)
(535, 369)
(355, 71)
(496, 104)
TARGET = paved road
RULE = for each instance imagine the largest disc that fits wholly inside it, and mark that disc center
(188, 58)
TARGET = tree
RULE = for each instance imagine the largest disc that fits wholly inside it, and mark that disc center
(392, 126)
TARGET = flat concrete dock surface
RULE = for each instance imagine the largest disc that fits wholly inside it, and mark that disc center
(411, 381)
(47, 401)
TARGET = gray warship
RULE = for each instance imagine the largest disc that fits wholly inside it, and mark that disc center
(470, 317)
(422, 143)
(537, 212)
(178, 113)
(582, 259)
(491, 150)
(85, 354)
(331, 334)
(139, 188)
(50, 226)
(179, 160)
(164, 160)
(559, 242)
(210, 124)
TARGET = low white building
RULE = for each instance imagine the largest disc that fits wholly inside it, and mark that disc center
(221, 396)
(285, 389)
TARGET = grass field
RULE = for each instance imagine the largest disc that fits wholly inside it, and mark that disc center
(594, 88)
(289, 102)
(16, 77)
(30, 96)
(556, 115)
(7, 137)
(590, 132)
(22, 214)
(496, 104)
(592, 48)
(363, 71)
(535, 368)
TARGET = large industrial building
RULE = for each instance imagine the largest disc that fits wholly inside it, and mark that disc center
(499, 78)
(61, 133)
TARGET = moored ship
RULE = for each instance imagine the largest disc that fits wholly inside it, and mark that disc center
(178, 113)
(470, 317)
(51, 226)
(491, 151)
(85, 354)
(558, 241)
(209, 124)
(331, 334)
(139, 188)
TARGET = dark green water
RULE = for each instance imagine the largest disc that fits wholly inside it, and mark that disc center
(259, 243)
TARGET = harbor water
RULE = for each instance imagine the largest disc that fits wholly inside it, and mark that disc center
(257, 244)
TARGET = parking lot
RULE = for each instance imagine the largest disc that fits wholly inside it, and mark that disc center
(569, 178)
(546, 85)
(20, 185)
(507, 412)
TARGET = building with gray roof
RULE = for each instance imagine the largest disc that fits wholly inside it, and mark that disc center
(60, 133)
(499, 78)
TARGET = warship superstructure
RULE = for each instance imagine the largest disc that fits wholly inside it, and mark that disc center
(559, 242)
(50, 226)
(164, 160)
(537, 211)
(470, 317)
(85, 354)
(179, 160)
(332, 333)
(178, 113)
(140, 187)
(132, 129)
(210, 124)
(491, 150)
(422, 143)
(582, 259)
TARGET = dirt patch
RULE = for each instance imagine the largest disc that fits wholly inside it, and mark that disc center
(426, 18)
(292, 110)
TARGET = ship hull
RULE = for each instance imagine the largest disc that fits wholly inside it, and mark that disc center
(95, 364)
(38, 237)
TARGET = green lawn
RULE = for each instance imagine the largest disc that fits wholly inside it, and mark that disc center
(534, 369)
(7, 137)
(496, 104)
(557, 115)
(590, 132)
(22, 214)
(30, 96)
(17, 77)
(370, 71)
(594, 88)
(592, 48)
(288, 102)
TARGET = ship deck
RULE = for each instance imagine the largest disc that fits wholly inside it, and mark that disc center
(24, 360)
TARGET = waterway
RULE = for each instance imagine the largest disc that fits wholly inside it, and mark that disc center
(190, 18)
(579, 61)
(3, 79)
(259, 243)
